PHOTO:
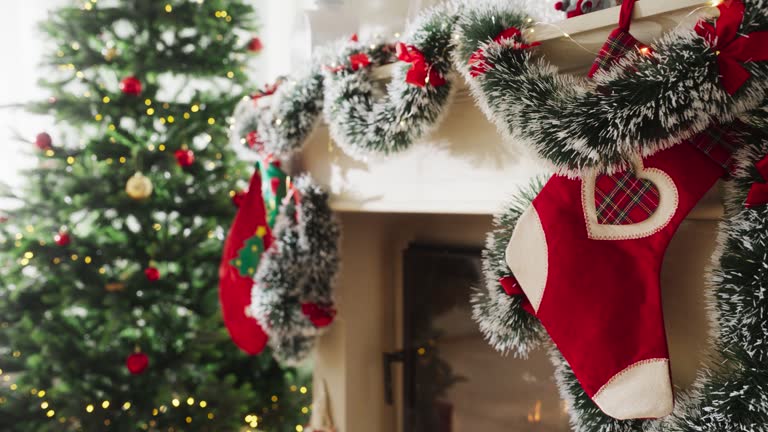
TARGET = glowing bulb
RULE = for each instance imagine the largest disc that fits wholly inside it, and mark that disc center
(105, 99)
(50, 413)
(203, 404)
(41, 394)
(175, 402)
(105, 404)
(211, 121)
(168, 8)
(303, 390)
(190, 401)
(44, 405)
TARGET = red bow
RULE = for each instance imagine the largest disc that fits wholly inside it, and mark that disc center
(732, 50)
(512, 288)
(479, 64)
(269, 90)
(356, 61)
(320, 315)
(420, 73)
(758, 193)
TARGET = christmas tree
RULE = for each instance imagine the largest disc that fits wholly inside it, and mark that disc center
(109, 315)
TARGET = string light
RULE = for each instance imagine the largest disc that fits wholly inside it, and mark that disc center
(44, 405)
(195, 108)
(190, 401)
(105, 404)
(168, 8)
(230, 74)
(186, 116)
(50, 153)
(41, 394)
(203, 404)
(299, 428)
(102, 270)
(122, 159)
(210, 416)
(105, 99)
(303, 390)
(161, 147)
(50, 413)
(175, 402)
(70, 160)
(211, 121)
(150, 111)
(87, 260)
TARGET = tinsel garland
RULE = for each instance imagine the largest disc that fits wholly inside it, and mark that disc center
(292, 296)
(645, 104)
(415, 100)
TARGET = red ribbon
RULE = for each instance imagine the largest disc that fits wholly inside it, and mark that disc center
(356, 61)
(319, 315)
(732, 49)
(478, 63)
(758, 193)
(420, 73)
(269, 90)
(512, 288)
(359, 60)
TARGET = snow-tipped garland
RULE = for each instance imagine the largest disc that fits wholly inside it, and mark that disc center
(415, 100)
(279, 121)
(651, 101)
(293, 294)
(642, 106)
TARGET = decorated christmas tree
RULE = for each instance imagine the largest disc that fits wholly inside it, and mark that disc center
(109, 315)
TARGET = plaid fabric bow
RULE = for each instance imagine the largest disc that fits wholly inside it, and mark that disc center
(758, 193)
(512, 288)
(478, 63)
(732, 49)
(420, 73)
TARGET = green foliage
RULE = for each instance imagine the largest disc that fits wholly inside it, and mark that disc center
(70, 315)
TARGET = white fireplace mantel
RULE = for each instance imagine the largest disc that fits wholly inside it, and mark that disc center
(464, 167)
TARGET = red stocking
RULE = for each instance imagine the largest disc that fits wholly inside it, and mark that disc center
(588, 254)
(248, 238)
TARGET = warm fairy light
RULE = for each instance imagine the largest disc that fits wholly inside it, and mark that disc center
(70, 160)
(203, 404)
(162, 120)
(210, 416)
(44, 405)
(175, 402)
(98, 117)
(274, 398)
(299, 428)
(211, 121)
(127, 406)
(57, 260)
(150, 111)
(16, 354)
(50, 413)
(195, 108)
(157, 227)
(14, 387)
(28, 255)
(171, 119)
(49, 153)
(102, 270)
(645, 51)
(74, 257)
(105, 404)
(294, 388)
(163, 408)
(106, 99)
(168, 8)
(41, 394)
(186, 116)
(112, 127)
(24, 262)
(230, 74)
(190, 401)
(303, 390)
(188, 419)
(304, 410)
(79, 74)
(88, 260)
(161, 147)
(75, 46)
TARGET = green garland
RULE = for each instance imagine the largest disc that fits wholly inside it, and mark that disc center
(644, 105)
(363, 124)
(293, 294)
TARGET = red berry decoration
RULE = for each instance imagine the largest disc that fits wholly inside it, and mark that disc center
(253, 140)
(255, 45)
(43, 141)
(319, 315)
(152, 273)
(137, 363)
(130, 86)
(185, 158)
(238, 198)
(62, 238)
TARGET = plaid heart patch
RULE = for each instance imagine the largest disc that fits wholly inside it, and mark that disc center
(624, 199)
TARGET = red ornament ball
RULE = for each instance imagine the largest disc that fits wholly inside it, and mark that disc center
(43, 141)
(152, 273)
(62, 239)
(255, 45)
(237, 198)
(131, 86)
(137, 363)
(185, 158)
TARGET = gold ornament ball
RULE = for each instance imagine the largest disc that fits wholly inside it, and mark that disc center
(138, 187)
(109, 53)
